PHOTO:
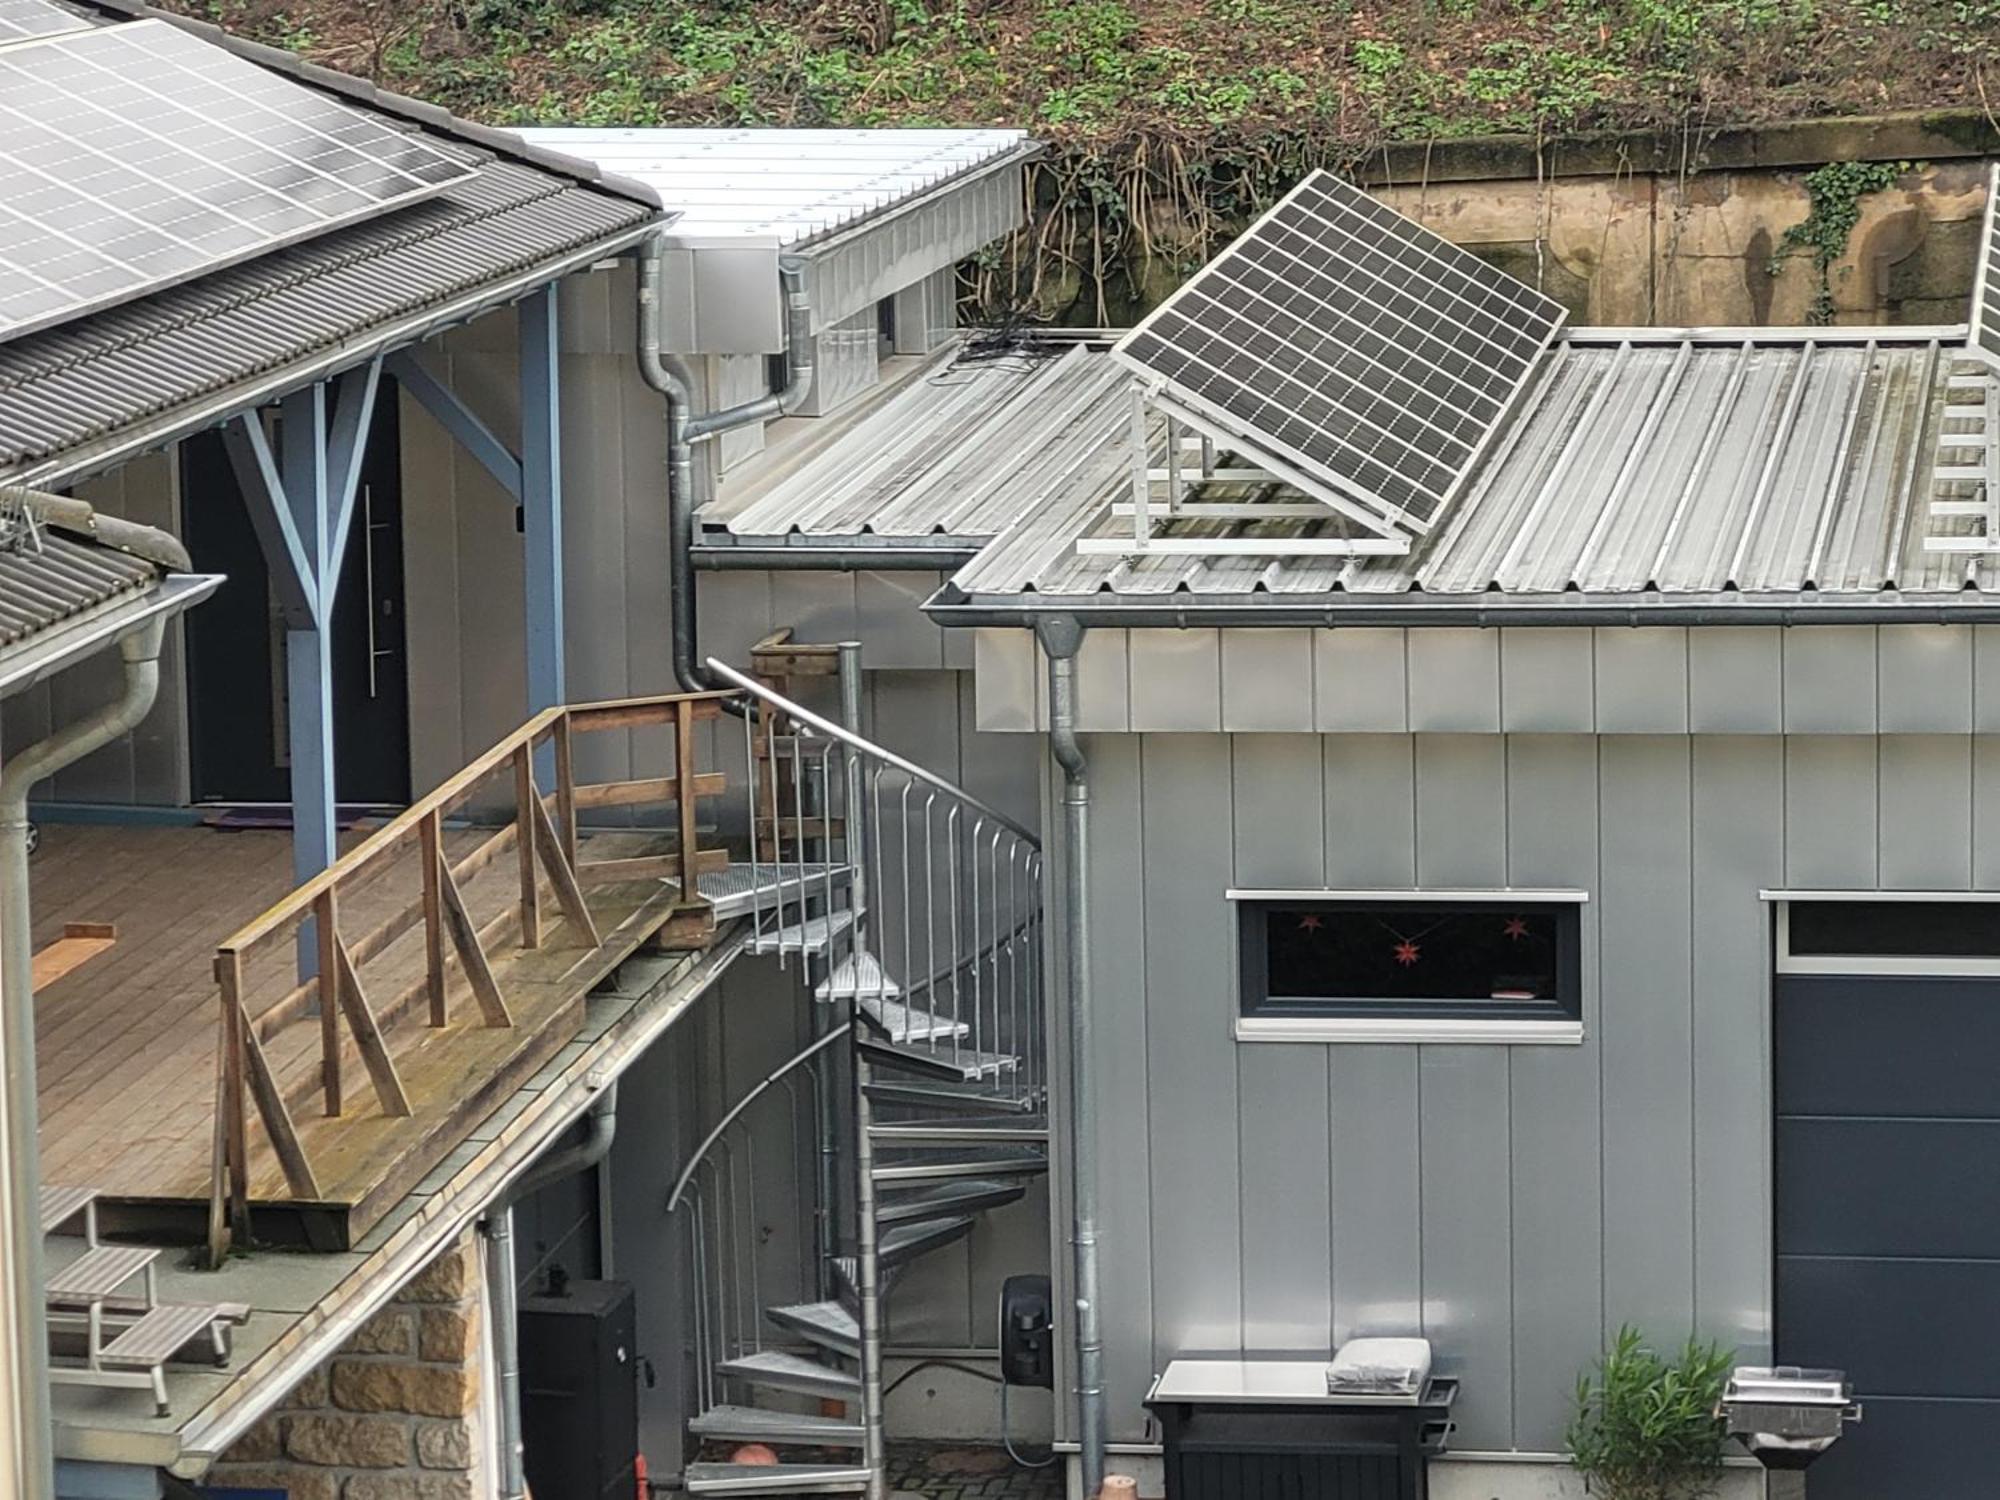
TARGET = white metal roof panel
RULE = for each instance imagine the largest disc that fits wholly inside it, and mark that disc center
(782, 188)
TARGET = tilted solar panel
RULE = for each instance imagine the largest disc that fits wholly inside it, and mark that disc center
(1349, 348)
(135, 156)
(1986, 279)
(26, 18)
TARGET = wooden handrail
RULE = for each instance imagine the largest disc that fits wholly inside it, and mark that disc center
(352, 1024)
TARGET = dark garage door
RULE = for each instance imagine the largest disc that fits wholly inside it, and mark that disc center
(1888, 1224)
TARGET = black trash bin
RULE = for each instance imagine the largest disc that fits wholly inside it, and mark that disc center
(1252, 1429)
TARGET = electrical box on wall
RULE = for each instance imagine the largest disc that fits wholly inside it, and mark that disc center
(1027, 1332)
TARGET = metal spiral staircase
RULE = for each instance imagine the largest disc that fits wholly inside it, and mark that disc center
(913, 912)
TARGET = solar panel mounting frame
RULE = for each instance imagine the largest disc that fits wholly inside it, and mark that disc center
(1982, 335)
(1377, 514)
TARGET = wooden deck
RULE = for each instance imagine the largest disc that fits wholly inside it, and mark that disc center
(126, 1042)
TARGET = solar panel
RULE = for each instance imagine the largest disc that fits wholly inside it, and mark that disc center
(1986, 279)
(26, 18)
(135, 156)
(1348, 348)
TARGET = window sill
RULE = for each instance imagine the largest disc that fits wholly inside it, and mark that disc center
(1442, 1031)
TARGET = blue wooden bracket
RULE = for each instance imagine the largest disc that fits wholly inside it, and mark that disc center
(271, 517)
(458, 419)
(347, 446)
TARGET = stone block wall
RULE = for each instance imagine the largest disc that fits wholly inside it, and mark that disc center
(394, 1414)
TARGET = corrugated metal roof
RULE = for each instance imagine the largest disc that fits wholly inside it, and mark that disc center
(779, 187)
(84, 380)
(1644, 469)
(48, 577)
(954, 455)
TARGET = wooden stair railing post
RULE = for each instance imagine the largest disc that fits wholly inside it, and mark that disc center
(566, 788)
(325, 913)
(471, 956)
(430, 837)
(235, 1122)
(562, 874)
(368, 1035)
(525, 798)
(685, 802)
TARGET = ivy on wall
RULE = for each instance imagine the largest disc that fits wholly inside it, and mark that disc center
(1834, 193)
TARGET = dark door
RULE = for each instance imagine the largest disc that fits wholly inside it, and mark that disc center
(1888, 1224)
(237, 708)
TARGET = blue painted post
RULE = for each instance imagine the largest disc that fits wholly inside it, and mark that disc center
(309, 651)
(541, 508)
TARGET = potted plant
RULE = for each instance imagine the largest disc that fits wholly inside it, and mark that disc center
(1645, 1425)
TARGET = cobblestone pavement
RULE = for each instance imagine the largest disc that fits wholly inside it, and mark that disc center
(957, 1471)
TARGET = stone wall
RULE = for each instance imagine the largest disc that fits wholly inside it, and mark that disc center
(394, 1415)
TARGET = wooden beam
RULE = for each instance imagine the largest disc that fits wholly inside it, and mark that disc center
(432, 837)
(566, 788)
(367, 1036)
(235, 1029)
(327, 977)
(684, 772)
(653, 789)
(466, 938)
(649, 867)
(568, 893)
(277, 1119)
(80, 943)
(525, 797)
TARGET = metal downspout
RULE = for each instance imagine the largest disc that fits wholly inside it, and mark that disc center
(1061, 637)
(685, 429)
(513, 1477)
(27, 1322)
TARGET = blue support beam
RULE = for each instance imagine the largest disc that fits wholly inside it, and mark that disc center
(458, 419)
(541, 496)
(304, 469)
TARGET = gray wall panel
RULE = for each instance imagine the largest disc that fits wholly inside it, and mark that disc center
(1645, 1032)
(1455, 681)
(1739, 840)
(1190, 1055)
(1736, 680)
(1554, 1108)
(1125, 1149)
(1176, 679)
(1284, 1183)
(1267, 680)
(1642, 680)
(1925, 821)
(1103, 690)
(1830, 811)
(1830, 680)
(1361, 680)
(1546, 681)
(1925, 678)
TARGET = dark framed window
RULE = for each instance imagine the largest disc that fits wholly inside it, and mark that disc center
(1445, 959)
(1894, 929)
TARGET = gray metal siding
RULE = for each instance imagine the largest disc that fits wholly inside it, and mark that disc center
(1517, 1203)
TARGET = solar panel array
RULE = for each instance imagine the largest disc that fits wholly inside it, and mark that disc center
(26, 18)
(1351, 348)
(137, 155)
(1986, 280)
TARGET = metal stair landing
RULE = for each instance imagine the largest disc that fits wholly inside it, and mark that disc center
(953, 1064)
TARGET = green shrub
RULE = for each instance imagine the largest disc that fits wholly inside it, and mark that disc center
(1645, 1426)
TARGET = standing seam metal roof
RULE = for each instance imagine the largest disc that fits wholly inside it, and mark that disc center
(1754, 464)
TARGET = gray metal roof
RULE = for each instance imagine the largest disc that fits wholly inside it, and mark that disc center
(52, 577)
(947, 460)
(526, 217)
(1645, 468)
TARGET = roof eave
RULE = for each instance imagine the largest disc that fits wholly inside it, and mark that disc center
(84, 634)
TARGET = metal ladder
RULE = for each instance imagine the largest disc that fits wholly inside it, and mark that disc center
(1964, 505)
(914, 912)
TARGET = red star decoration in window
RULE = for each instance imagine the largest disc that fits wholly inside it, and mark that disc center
(1309, 924)
(1407, 953)
(1516, 928)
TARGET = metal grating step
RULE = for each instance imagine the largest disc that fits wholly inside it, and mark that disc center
(826, 1324)
(1021, 1128)
(760, 1424)
(906, 1024)
(943, 1199)
(810, 936)
(773, 1479)
(742, 889)
(859, 974)
(965, 1098)
(778, 1370)
(981, 1164)
(956, 1064)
